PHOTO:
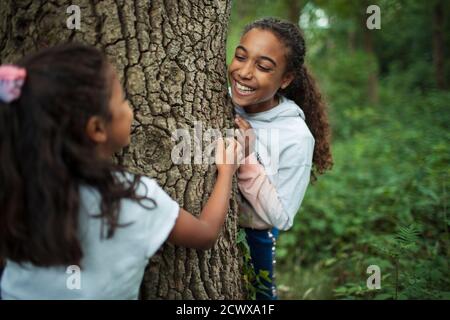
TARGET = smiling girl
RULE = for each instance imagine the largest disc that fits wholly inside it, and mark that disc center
(273, 93)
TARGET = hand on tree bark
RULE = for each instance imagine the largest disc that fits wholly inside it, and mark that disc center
(229, 154)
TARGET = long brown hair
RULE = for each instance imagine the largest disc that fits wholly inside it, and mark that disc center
(303, 89)
(45, 156)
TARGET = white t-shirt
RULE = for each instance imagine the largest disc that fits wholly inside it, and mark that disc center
(111, 268)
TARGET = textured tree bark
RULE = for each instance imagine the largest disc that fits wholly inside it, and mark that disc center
(170, 56)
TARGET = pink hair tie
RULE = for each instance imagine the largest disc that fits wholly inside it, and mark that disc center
(11, 81)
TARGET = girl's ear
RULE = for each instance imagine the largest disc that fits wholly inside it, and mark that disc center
(287, 79)
(96, 129)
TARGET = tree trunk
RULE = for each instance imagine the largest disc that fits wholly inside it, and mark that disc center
(351, 41)
(294, 8)
(438, 44)
(170, 56)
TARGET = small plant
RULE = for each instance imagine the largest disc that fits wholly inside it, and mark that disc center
(252, 281)
(406, 272)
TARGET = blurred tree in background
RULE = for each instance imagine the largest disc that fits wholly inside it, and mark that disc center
(385, 201)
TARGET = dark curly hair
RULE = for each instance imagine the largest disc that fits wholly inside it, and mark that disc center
(303, 89)
(45, 155)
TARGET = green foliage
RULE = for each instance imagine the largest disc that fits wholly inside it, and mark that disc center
(391, 171)
(408, 276)
(252, 282)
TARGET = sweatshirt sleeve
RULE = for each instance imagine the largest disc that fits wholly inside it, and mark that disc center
(259, 191)
(294, 176)
(277, 202)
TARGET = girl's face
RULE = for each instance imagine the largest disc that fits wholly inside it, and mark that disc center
(257, 71)
(119, 128)
(111, 135)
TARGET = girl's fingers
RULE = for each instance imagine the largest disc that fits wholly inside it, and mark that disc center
(238, 123)
(220, 151)
(240, 153)
(245, 135)
(231, 142)
(242, 123)
(244, 127)
(239, 136)
(220, 144)
(231, 151)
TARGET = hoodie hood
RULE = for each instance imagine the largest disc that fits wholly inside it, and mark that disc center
(285, 109)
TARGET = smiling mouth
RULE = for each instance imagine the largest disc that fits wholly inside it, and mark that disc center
(243, 90)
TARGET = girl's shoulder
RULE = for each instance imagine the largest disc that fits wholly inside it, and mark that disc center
(146, 188)
(149, 188)
(291, 108)
(291, 121)
(151, 215)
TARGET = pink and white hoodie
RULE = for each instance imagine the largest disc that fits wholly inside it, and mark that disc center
(274, 179)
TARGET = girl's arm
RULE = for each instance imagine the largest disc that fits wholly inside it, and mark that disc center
(201, 232)
(257, 189)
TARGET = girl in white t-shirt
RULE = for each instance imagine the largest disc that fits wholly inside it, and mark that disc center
(65, 207)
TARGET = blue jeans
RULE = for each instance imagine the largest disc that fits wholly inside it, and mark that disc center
(262, 251)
